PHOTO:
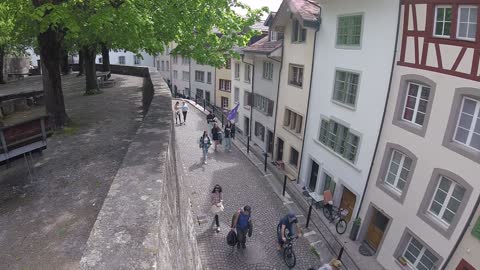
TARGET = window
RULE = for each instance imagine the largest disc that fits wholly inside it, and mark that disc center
(260, 131)
(339, 138)
(398, 171)
(293, 121)
(175, 59)
(467, 131)
(299, 34)
(263, 104)
(293, 157)
(228, 64)
(476, 229)
(100, 60)
(237, 71)
(121, 60)
(446, 201)
(416, 103)
(346, 86)
(199, 76)
(236, 94)
(225, 85)
(163, 65)
(328, 183)
(296, 75)
(248, 73)
(273, 36)
(224, 102)
(418, 256)
(136, 60)
(175, 74)
(267, 70)
(209, 77)
(349, 30)
(168, 65)
(443, 21)
(199, 93)
(467, 22)
(186, 60)
(186, 76)
(248, 98)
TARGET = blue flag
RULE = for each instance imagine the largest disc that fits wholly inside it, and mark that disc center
(233, 113)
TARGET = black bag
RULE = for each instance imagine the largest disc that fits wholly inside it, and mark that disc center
(232, 238)
(250, 229)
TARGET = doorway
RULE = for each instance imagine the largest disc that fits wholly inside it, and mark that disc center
(207, 96)
(312, 184)
(348, 202)
(376, 229)
(246, 125)
(270, 142)
(280, 149)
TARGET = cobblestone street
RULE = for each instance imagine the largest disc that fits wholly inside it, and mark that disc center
(242, 184)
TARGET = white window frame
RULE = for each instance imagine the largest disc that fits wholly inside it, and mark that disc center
(237, 71)
(224, 101)
(199, 76)
(349, 33)
(186, 76)
(417, 103)
(420, 254)
(448, 197)
(136, 60)
(469, 24)
(444, 21)
(121, 60)
(294, 77)
(273, 36)
(336, 139)
(471, 130)
(267, 70)
(175, 74)
(347, 87)
(398, 172)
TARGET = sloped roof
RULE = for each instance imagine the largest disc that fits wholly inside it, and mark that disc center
(260, 26)
(263, 46)
(307, 11)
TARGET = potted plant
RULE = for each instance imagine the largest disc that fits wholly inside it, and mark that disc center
(355, 228)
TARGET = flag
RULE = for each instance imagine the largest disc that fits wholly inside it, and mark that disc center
(233, 113)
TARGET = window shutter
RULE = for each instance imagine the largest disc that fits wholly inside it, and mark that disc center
(476, 229)
(270, 105)
(304, 34)
(299, 124)
(286, 118)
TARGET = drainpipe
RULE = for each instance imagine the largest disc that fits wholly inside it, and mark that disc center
(308, 103)
(384, 109)
(189, 77)
(276, 103)
(475, 208)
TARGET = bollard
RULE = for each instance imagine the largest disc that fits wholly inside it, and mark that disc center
(340, 254)
(284, 184)
(309, 214)
(248, 144)
(265, 162)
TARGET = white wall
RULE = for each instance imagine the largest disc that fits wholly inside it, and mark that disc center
(243, 110)
(181, 84)
(148, 60)
(209, 87)
(373, 62)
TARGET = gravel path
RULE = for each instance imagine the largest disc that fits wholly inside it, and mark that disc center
(45, 223)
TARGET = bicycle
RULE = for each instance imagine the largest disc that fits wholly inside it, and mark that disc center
(338, 214)
(288, 253)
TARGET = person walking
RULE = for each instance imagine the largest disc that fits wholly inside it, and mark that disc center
(217, 205)
(205, 144)
(285, 229)
(177, 110)
(185, 111)
(229, 132)
(333, 265)
(216, 135)
(241, 221)
(210, 121)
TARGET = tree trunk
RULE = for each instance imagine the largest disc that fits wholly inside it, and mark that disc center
(90, 71)
(81, 63)
(65, 66)
(105, 58)
(50, 43)
(2, 58)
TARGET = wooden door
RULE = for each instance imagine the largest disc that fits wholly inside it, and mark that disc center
(376, 229)
(348, 202)
(270, 142)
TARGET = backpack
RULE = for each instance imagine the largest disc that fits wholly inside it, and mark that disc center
(232, 238)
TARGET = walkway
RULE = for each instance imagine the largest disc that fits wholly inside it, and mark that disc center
(242, 184)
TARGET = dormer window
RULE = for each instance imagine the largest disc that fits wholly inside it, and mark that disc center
(299, 34)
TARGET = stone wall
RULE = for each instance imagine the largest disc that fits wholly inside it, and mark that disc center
(145, 221)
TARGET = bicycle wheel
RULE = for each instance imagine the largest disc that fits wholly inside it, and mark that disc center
(341, 226)
(289, 257)
(326, 213)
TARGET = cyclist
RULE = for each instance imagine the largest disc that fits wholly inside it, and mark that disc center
(285, 229)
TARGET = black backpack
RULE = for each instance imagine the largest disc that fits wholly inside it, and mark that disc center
(232, 238)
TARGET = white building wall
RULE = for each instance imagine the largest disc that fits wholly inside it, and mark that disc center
(204, 86)
(242, 85)
(182, 85)
(148, 60)
(372, 60)
(163, 64)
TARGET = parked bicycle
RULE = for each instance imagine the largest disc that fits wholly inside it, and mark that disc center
(333, 214)
(288, 253)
